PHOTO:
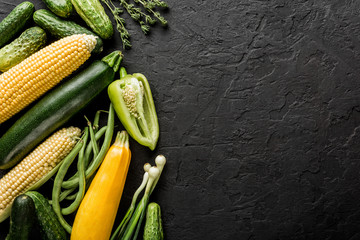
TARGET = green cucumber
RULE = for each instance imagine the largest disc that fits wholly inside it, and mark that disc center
(60, 28)
(50, 227)
(22, 219)
(153, 225)
(13, 23)
(62, 8)
(56, 108)
(30, 41)
(93, 13)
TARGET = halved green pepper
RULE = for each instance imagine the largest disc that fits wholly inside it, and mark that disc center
(134, 105)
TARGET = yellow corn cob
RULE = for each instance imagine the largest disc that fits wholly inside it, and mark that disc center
(28, 80)
(35, 166)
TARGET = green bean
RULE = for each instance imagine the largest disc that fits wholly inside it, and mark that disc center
(88, 151)
(59, 178)
(106, 144)
(99, 158)
(92, 138)
(89, 148)
(72, 196)
(64, 195)
(81, 190)
(96, 120)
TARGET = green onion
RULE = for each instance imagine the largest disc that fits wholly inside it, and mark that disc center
(131, 223)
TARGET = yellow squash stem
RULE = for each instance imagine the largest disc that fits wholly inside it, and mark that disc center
(97, 211)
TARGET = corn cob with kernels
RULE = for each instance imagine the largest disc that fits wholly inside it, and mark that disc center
(35, 167)
(31, 78)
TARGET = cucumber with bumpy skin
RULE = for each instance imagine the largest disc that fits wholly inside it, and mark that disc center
(50, 227)
(13, 23)
(62, 8)
(30, 41)
(60, 28)
(153, 225)
(93, 13)
(22, 218)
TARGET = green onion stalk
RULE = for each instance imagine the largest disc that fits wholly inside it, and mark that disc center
(131, 223)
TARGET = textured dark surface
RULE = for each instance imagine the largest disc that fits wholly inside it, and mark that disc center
(259, 111)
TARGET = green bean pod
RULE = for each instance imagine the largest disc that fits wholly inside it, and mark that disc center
(94, 165)
(55, 201)
(81, 170)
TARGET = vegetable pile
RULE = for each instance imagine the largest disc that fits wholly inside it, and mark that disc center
(51, 70)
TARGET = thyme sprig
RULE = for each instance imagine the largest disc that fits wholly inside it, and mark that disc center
(137, 15)
(150, 5)
(144, 18)
(120, 23)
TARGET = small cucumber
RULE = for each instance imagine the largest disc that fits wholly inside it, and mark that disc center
(153, 225)
(13, 23)
(60, 28)
(62, 8)
(22, 218)
(30, 41)
(50, 226)
(93, 13)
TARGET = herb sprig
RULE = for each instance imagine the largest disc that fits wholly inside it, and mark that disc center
(120, 23)
(150, 7)
(144, 19)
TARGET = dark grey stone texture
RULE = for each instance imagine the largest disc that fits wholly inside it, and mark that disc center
(259, 110)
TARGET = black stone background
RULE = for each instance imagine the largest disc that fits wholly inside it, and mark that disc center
(259, 111)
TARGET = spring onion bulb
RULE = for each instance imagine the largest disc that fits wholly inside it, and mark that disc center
(130, 225)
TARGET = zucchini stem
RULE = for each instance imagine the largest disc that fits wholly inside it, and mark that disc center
(113, 60)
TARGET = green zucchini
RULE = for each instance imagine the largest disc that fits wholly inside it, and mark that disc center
(13, 23)
(22, 218)
(153, 225)
(50, 227)
(60, 28)
(30, 41)
(56, 108)
(62, 8)
(93, 13)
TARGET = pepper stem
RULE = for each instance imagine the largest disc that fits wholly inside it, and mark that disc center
(123, 72)
(113, 60)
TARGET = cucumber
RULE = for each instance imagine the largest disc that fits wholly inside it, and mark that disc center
(60, 28)
(93, 13)
(56, 108)
(13, 23)
(62, 8)
(50, 227)
(153, 225)
(30, 41)
(22, 219)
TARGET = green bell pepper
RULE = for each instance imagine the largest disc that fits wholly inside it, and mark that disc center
(134, 105)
